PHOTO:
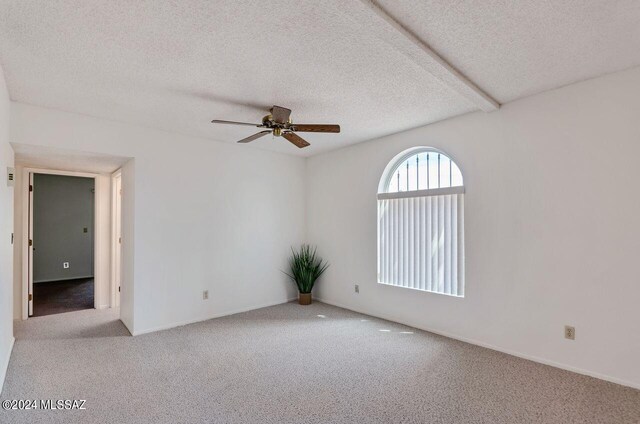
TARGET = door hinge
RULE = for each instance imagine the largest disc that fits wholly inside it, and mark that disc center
(30, 242)
(30, 187)
(30, 297)
(120, 240)
(118, 289)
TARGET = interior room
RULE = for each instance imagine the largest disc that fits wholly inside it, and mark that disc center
(319, 212)
(62, 230)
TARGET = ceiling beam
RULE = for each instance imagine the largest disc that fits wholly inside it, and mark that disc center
(377, 21)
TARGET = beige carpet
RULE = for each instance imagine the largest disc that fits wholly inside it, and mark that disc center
(290, 364)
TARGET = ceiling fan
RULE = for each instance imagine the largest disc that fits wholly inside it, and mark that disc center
(279, 123)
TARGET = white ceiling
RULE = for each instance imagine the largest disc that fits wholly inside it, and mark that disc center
(65, 159)
(516, 48)
(177, 65)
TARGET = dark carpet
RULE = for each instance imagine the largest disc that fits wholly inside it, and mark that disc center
(57, 297)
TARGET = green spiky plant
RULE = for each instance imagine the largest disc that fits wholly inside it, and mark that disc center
(305, 267)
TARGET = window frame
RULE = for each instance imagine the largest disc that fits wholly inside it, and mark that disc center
(384, 194)
(395, 163)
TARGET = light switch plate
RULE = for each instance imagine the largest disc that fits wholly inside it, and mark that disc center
(11, 177)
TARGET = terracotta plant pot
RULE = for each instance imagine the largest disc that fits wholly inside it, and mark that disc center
(304, 298)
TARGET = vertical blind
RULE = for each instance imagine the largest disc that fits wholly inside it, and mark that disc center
(421, 240)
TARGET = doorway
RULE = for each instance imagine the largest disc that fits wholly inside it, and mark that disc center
(61, 243)
(101, 168)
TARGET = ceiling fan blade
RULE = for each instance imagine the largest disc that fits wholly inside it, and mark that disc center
(253, 137)
(280, 114)
(326, 128)
(219, 121)
(296, 139)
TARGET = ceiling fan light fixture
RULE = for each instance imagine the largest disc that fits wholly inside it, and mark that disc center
(279, 123)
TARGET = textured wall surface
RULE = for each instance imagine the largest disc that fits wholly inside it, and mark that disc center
(551, 229)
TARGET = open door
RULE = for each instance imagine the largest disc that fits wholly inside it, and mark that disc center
(30, 247)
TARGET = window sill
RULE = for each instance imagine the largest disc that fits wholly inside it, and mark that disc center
(423, 290)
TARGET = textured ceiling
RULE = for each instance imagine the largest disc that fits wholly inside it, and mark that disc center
(177, 65)
(516, 48)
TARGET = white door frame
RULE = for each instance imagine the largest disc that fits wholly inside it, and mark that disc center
(116, 237)
(29, 245)
(27, 251)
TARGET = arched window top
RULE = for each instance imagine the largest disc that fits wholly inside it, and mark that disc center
(420, 168)
(421, 223)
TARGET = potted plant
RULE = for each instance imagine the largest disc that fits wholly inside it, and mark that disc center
(305, 267)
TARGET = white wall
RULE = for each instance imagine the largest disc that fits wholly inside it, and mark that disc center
(128, 244)
(197, 215)
(6, 228)
(552, 228)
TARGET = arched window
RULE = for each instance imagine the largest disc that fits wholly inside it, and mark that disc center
(421, 223)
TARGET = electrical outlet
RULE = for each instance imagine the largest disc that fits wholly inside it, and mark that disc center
(65, 265)
(569, 332)
(357, 288)
(205, 295)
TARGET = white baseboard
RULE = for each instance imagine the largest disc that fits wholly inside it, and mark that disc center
(5, 364)
(566, 367)
(208, 317)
